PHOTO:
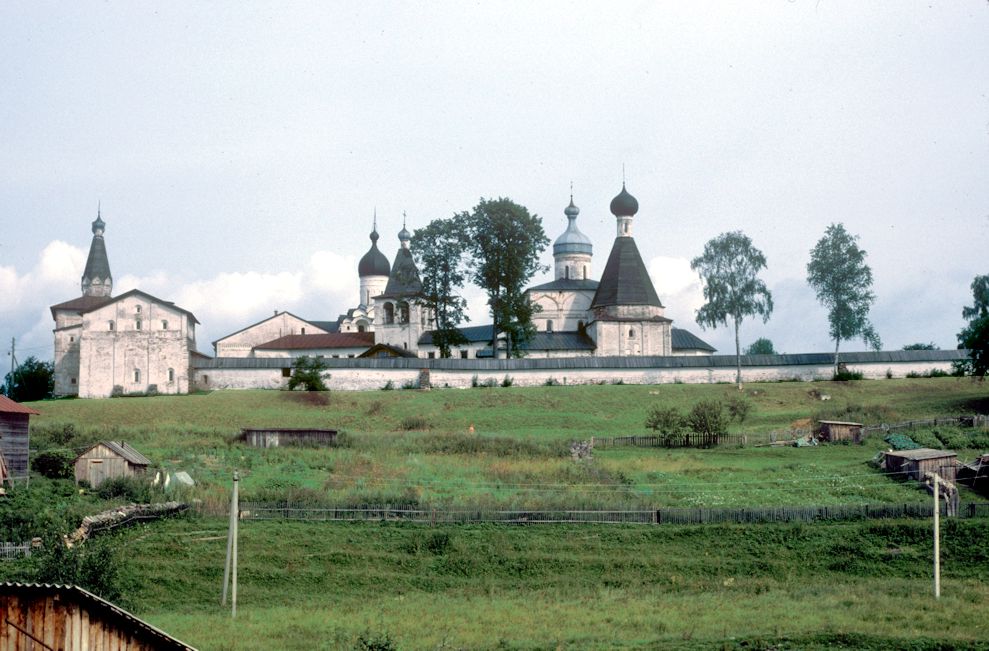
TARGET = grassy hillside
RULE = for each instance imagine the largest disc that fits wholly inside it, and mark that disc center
(305, 586)
(412, 447)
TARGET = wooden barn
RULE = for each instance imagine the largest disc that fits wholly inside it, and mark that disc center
(914, 464)
(109, 460)
(14, 437)
(35, 617)
(273, 438)
(836, 430)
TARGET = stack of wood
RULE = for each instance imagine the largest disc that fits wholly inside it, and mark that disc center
(122, 515)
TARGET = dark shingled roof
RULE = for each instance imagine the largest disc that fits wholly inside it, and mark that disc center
(683, 340)
(329, 326)
(625, 280)
(404, 278)
(83, 304)
(97, 265)
(473, 334)
(333, 340)
(565, 284)
(559, 341)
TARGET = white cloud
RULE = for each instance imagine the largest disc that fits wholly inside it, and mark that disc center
(679, 288)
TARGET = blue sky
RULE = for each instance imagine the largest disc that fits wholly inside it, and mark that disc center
(239, 149)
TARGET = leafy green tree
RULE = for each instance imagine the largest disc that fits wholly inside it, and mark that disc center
(504, 243)
(761, 346)
(32, 380)
(975, 336)
(440, 249)
(729, 268)
(921, 346)
(307, 372)
(843, 282)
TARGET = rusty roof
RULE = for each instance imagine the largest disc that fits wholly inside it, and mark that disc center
(8, 406)
(315, 342)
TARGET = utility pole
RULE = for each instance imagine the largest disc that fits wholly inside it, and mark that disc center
(937, 538)
(231, 565)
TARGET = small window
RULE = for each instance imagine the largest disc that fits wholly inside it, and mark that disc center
(405, 345)
(73, 380)
(463, 354)
(585, 272)
(171, 375)
(286, 372)
(109, 325)
(336, 357)
(138, 309)
(350, 355)
(164, 325)
(137, 375)
(303, 331)
(71, 339)
(631, 333)
(432, 355)
(626, 228)
(137, 324)
(360, 328)
(566, 273)
(549, 325)
(205, 379)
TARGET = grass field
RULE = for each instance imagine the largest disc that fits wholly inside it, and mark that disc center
(518, 456)
(389, 585)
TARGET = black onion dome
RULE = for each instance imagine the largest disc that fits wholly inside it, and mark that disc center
(374, 262)
(624, 205)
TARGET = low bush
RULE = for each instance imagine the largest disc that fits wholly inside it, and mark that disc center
(54, 464)
(847, 376)
(389, 386)
(503, 446)
(412, 423)
(409, 384)
(131, 489)
(507, 381)
(667, 420)
(708, 417)
(738, 407)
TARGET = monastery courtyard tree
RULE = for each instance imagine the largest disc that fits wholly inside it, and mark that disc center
(843, 282)
(439, 247)
(504, 242)
(729, 268)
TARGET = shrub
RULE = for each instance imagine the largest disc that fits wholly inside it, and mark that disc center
(389, 385)
(368, 641)
(708, 417)
(550, 382)
(473, 381)
(507, 381)
(738, 408)
(847, 376)
(55, 464)
(307, 373)
(131, 489)
(412, 423)
(667, 420)
(409, 384)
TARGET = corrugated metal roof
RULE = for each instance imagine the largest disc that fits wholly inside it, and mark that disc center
(321, 341)
(83, 595)
(684, 340)
(473, 334)
(559, 341)
(123, 450)
(565, 284)
(625, 280)
(8, 406)
(922, 453)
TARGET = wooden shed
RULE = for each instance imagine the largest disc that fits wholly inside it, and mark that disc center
(35, 617)
(14, 437)
(108, 460)
(914, 464)
(836, 430)
(273, 438)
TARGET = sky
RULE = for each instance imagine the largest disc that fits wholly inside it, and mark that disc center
(238, 150)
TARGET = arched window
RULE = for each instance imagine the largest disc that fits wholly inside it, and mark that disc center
(137, 375)
(137, 324)
(403, 312)
(566, 272)
(109, 325)
(389, 313)
(549, 325)
(303, 331)
(164, 326)
(631, 333)
(171, 375)
(585, 272)
(361, 328)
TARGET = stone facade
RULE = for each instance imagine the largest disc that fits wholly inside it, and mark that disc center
(242, 342)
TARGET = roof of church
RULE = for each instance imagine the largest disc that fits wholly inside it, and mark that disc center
(472, 334)
(625, 280)
(329, 326)
(624, 204)
(374, 262)
(572, 240)
(564, 284)
(97, 264)
(85, 304)
(333, 340)
(539, 341)
(386, 350)
(404, 277)
(684, 340)
(82, 304)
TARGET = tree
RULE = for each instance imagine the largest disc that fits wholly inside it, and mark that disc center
(975, 336)
(921, 346)
(843, 282)
(504, 243)
(307, 372)
(761, 346)
(729, 267)
(32, 380)
(440, 249)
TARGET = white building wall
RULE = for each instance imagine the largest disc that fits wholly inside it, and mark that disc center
(566, 309)
(240, 344)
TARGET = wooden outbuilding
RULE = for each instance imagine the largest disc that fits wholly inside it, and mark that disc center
(836, 430)
(14, 437)
(914, 464)
(35, 617)
(109, 460)
(273, 438)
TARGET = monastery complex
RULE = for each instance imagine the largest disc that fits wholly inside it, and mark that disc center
(612, 330)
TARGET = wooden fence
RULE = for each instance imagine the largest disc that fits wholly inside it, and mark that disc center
(690, 440)
(978, 420)
(316, 512)
(12, 551)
